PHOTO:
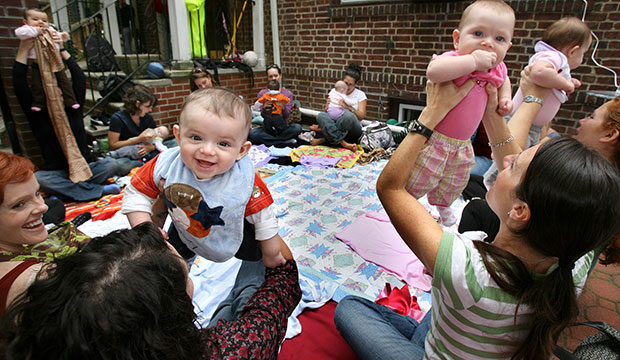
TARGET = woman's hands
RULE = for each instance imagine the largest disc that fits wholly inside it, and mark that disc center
(441, 98)
(529, 88)
(23, 49)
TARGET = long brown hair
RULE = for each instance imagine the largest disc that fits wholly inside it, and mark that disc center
(573, 194)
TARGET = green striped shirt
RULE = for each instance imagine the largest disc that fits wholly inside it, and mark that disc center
(472, 316)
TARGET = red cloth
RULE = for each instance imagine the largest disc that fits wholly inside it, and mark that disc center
(319, 338)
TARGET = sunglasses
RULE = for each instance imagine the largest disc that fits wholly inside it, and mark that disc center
(198, 70)
(273, 66)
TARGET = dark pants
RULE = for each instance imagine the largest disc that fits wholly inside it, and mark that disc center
(38, 94)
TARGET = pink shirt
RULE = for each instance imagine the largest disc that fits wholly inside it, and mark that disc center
(25, 32)
(553, 101)
(463, 120)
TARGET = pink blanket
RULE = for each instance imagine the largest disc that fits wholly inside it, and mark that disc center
(374, 238)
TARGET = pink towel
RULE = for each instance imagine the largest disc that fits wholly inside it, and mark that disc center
(374, 238)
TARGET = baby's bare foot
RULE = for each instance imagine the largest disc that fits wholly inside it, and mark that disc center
(315, 127)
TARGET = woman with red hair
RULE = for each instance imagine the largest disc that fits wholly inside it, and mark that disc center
(25, 242)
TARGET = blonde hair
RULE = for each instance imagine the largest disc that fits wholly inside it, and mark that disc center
(221, 102)
(497, 5)
(567, 32)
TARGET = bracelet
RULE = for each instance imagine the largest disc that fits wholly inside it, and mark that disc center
(510, 138)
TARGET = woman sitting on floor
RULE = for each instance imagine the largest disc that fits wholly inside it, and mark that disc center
(26, 243)
(127, 295)
(557, 202)
(347, 129)
(201, 78)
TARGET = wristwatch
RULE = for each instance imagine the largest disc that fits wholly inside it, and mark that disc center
(417, 127)
(530, 98)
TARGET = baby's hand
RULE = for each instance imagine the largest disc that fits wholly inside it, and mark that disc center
(504, 107)
(575, 82)
(570, 87)
(274, 261)
(484, 59)
(64, 36)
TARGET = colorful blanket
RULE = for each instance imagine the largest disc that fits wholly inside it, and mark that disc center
(347, 157)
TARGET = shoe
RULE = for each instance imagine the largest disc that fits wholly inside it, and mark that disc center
(81, 219)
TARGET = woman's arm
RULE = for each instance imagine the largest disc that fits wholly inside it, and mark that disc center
(360, 113)
(412, 221)
(115, 143)
(78, 79)
(20, 72)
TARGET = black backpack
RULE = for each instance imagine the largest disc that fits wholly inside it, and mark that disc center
(107, 83)
(99, 54)
(604, 345)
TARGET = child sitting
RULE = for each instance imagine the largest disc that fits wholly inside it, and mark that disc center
(272, 102)
(560, 51)
(481, 41)
(208, 184)
(157, 136)
(35, 24)
(338, 97)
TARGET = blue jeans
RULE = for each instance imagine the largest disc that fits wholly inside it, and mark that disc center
(347, 127)
(250, 277)
(56, 182)
(482, 165)
(259, 135)
(376, 332)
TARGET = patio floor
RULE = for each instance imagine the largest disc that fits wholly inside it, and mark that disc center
(600, 301)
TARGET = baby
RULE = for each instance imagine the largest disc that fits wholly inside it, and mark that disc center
(157, 136)
(208, 184)
(272, 102)
(560, 51)
(35, 24)
(338, 96)
(481, 42)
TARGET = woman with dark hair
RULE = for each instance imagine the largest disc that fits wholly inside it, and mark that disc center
(127, 295)
(290, 132)
(347, 129)
(599, 131)
(201, 78)
(132, 125)
(557, 202)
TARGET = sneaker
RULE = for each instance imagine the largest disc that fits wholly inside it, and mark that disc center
(307, 136)
(81, 219)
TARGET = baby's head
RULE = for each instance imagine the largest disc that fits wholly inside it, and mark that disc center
(213, 130)
(162, 132)
(485, 25)
(341, 87)
(572, 37)
(273, 85)
(35, 17)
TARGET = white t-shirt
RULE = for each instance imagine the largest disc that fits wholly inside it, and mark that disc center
(356, 96)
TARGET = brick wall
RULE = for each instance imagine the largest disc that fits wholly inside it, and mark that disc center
(395, 41)
(11, 15)
(171, 97)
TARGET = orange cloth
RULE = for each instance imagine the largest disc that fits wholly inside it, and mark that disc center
(277, 109)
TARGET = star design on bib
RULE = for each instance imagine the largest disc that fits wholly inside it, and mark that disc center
(208, 216)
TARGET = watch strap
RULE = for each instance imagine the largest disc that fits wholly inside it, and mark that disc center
(417, 127)
(530, 99)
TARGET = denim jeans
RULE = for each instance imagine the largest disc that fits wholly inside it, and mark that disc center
(482, 165)
(249, 279)
(260, 136)
(347, 127)
(56, 182)
(376, 332)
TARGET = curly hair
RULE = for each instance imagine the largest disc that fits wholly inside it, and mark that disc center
(139, 93)
(573, 194)
(123, 297)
